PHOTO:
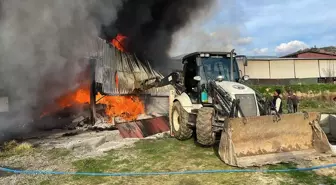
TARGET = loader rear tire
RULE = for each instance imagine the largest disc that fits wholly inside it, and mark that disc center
(204, 134)
(179, 119)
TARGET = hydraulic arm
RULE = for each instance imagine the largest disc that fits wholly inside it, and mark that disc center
(173, 79)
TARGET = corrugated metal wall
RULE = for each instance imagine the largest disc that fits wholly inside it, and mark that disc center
(129, 69)
(289, 68)
(112, 62)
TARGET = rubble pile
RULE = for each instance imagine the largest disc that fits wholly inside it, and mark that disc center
(75, 118)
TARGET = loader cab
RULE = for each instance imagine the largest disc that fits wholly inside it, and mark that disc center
(218, 66)
(207, 66)
(190, 70)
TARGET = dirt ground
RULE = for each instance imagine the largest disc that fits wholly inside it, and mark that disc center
(108, 152)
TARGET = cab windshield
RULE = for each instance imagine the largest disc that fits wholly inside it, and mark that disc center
(219, 66)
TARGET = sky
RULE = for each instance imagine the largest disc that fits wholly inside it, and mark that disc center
(261, 27)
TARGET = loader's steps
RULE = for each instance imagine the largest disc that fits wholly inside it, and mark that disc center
(275, 158)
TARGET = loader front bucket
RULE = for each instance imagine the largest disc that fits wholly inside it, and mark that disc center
(260, 140)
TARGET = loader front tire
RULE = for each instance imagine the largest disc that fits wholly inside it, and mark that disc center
(204, 134)
(179, 119)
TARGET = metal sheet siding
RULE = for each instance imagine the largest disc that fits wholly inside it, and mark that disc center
(282, 69)
(257, 69)
(307, 68)
(111, 62)
(290, 68)
(327, 68)
(144, 128)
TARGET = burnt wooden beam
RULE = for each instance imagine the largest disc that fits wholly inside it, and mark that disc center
(93, 91)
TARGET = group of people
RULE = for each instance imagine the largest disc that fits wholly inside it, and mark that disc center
(292, 102)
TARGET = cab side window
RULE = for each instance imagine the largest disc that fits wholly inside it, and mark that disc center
(190, 71)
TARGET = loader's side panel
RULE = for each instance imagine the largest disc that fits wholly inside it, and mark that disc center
(244, 140)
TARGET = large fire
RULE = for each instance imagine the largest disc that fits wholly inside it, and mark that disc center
(126, 107)
(119, 42)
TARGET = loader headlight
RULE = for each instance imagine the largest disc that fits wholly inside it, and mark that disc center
(204, 55)
(220, 78)
(246, 77)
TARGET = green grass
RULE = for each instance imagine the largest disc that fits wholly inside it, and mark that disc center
(169, 155)
(58, 153)
(172, 155)
(304, 88)
(45, 182)
(165, 155)
(313, 105)
(149, 156)
(13, 148)
(321, 103)
(301, 177)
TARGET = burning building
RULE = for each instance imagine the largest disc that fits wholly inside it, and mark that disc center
(134, 39)
(110, 82)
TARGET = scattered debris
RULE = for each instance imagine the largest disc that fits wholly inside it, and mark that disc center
(154, 114)
(144, 116)
(70, 134)
(101, 125)
(88, 144)
(144, 128)
(78, 120)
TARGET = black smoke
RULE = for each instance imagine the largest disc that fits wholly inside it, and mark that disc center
(41, 40)
(40, 44)
(150, 25)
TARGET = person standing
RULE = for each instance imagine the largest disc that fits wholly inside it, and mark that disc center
(295, 101)
(277, 102)
(290, 105)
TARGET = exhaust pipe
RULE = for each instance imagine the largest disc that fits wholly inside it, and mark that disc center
(231, 70)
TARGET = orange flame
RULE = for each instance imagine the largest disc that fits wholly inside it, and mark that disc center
(125, 107)
(79, 96)
(119, 42)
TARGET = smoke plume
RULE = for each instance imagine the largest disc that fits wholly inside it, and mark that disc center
(222, 33)
(151, 24)
(42, 40)
(222, 40)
